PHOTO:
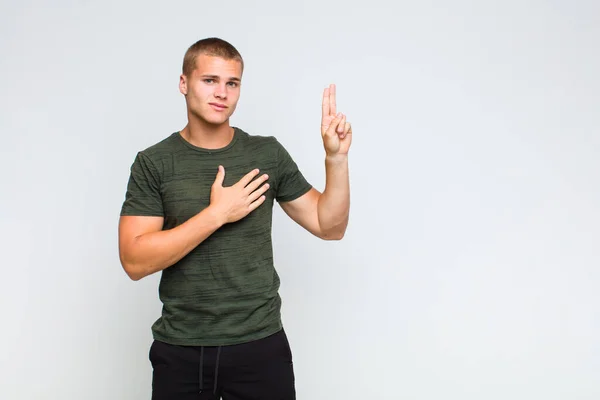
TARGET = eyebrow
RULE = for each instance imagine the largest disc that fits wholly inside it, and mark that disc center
(233, 78)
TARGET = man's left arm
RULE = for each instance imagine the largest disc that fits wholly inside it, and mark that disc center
(326, 214)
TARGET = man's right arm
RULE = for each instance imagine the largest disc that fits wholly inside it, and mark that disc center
(144, 248)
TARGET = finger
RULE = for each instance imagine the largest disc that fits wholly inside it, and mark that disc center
(325, 103)
(347, 130)
(331, 130)
(257, 193)
(220, 176)
(248, 177)
(332, 105)
(341, 125)
(255, 184)
(253, 206)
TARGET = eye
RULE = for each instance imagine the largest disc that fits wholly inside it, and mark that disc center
(209, 80)
(232, 84)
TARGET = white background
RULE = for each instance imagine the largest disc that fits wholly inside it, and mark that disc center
(470, 269)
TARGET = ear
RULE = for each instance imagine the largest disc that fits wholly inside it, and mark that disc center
(183, 84)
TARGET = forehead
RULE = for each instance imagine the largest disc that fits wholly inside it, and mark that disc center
(212, 65)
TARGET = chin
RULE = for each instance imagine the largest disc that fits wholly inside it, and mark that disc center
(219, 119)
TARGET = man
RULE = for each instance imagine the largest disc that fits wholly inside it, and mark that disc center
(198, 208)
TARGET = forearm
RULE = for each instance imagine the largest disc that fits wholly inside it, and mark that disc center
(334, 203)
(155, 251)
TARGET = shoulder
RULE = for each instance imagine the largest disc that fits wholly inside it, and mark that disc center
(156, 156)
(164, 147)
(258, 143)
(255, 139)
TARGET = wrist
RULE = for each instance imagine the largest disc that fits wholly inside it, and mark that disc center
(216, 217)
(336, 158)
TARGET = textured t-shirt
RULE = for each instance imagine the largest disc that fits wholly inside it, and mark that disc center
(226, 290)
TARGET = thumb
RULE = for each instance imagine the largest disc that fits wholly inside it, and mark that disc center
(220, 176)
(334, 124)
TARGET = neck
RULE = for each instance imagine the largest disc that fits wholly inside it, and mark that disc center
(205, 135)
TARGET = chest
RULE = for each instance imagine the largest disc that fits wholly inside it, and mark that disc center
(187, 186)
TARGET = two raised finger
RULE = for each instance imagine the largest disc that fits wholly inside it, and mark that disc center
(332, 104)
(329, 102)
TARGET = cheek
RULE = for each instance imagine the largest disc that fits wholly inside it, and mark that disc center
(232, 106)
(234, 96)
(197, 92)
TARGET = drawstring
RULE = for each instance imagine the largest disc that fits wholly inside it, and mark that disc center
(216, 369)
(201, 364)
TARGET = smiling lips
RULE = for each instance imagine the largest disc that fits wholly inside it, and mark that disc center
(218, 107)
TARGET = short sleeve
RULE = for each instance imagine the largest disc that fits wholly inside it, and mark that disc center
(143, 190)
(291, 184)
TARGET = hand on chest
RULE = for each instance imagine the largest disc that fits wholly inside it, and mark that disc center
(188, 189)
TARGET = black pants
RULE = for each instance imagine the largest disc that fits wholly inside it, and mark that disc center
(259, 370)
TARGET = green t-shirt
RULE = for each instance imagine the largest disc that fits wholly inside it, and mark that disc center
(226, 290)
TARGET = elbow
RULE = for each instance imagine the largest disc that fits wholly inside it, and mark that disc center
(134, 275)
(134, 271)
(333, 235)
(332, 238)
(131, 265)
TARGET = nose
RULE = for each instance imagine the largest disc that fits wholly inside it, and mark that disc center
(221, 91)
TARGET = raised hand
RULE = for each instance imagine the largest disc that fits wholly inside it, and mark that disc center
(235, 202)
(335, 130)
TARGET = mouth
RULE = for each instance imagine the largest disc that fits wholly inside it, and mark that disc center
(217, 106)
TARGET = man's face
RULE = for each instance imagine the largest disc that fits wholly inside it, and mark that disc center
(212, 90)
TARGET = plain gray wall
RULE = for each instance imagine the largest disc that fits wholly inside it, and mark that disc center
(470, 269)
